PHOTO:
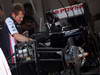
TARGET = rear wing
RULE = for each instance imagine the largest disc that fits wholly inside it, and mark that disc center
(69, 11)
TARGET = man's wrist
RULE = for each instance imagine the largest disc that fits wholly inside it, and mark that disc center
(29, 39)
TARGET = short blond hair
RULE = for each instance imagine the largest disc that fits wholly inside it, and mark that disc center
(18, 7)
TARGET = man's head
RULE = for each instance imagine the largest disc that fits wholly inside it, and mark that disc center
(18, 13)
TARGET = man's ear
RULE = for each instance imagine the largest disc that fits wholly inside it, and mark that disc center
(13, 14)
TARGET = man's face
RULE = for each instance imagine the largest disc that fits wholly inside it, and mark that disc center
(19, 17)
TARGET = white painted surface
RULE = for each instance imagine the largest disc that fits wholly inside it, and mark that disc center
(4, 67)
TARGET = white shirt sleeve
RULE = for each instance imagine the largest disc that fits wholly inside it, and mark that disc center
(11, 26)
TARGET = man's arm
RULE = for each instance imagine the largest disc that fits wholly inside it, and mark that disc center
(13, 31)
(21, 38)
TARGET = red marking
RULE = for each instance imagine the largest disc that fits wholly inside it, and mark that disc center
(72, 8)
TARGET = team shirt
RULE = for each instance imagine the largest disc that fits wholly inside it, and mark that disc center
(12, 29)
